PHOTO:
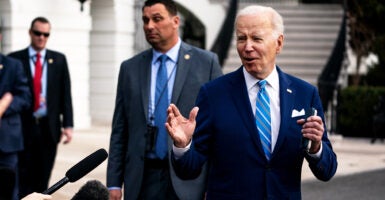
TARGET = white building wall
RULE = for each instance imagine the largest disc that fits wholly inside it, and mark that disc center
(112, 40)
(69, 35)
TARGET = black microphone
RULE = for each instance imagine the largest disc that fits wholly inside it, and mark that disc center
(80, 169)
(305, 141)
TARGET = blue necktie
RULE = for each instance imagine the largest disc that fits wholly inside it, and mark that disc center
(161, 104)
(263, 119)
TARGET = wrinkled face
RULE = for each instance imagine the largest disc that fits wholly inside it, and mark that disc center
(160, 28)
(257, 46)
(39, 34)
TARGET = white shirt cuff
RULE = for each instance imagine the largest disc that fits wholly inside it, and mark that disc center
(318, 154)
(179, 152)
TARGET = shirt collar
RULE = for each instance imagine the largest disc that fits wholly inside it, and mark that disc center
(172, 53)
(272, 79)
(32, 52)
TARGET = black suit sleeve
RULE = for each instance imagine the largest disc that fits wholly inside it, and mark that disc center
(66, 91)
(20, 91)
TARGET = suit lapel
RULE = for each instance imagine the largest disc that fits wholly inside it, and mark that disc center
(183, 67)
(144, 66)
(239, 90)
(51, 70)
(286, 95)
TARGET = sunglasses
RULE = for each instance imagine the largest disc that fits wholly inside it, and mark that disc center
(38, 33)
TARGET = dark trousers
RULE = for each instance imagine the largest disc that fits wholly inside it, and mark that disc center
(157, 183)
(37, 159)
(8, 176)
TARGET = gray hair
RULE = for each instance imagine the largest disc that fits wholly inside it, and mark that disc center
(276, 18)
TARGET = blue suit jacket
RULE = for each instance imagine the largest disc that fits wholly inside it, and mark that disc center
(13, 80)
(226, 136)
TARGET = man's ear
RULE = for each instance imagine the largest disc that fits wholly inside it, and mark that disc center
(176, 21)
(279, 47)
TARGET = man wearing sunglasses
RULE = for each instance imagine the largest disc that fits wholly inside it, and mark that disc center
(50, 117)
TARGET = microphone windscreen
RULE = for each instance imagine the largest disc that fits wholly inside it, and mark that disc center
(86, 165)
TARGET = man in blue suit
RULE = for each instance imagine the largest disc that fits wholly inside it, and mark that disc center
(15, 98)
(244, 164)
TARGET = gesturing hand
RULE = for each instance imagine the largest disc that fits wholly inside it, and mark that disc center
(5, 100)
(179, 128)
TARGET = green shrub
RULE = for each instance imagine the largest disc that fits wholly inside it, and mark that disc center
(355, 110)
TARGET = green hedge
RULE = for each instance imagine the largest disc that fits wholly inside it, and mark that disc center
(355, 110)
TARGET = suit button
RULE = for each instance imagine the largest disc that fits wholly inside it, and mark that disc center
(268, 167)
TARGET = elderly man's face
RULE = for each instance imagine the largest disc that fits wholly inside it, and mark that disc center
(257, 46)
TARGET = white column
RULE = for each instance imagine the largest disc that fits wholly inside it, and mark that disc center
(111, 43)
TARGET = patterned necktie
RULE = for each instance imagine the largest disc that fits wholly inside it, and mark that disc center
(161, 104)
(37, 82)
(263, 119)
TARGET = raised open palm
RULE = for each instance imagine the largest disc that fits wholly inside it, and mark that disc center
(180, 128)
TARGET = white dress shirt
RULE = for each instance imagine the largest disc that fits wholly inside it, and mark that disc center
(42, 111)
(171, 65)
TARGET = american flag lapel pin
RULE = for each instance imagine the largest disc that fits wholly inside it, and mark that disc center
(288, 90)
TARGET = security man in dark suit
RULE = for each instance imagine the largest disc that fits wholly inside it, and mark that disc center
(51, 115)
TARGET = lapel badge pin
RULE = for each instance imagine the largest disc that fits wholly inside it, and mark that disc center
(187, 56)
(1, 66)
(289, 91)
(50, 61)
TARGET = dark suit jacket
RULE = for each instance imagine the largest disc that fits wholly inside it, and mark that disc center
(13, 80)
(127, 144)
(59, 101)
(226, 136)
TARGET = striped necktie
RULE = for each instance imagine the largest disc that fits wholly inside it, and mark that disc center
(263, 119)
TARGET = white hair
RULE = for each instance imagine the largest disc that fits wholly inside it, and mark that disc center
(276, 18)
